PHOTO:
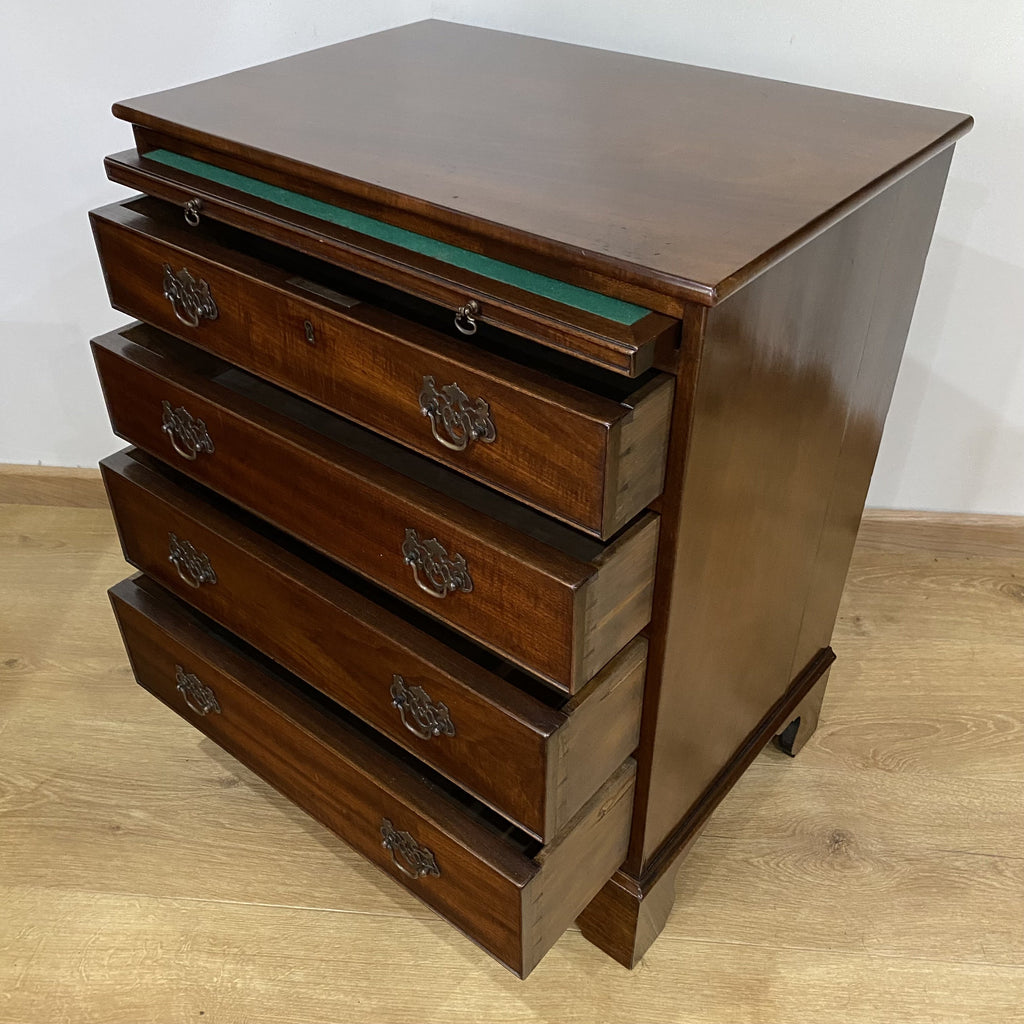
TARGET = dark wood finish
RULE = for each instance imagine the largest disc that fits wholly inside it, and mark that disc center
(561, 611)
(777, 234)
(768, 726)
(625, 919)
(591, 460)
(511, 899)
(534, 758)
(588, 165)
(629, 349)
(629, 912)
(867, 401)
(804, 721)
(773, 494)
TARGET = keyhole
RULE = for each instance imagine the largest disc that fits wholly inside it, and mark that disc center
(310, 336)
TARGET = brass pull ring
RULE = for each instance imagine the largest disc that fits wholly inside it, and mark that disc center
(465, 316)
(192, 208)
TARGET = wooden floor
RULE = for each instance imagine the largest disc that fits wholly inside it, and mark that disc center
(146, 877)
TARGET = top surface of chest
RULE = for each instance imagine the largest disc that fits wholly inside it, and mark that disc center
(685, 174)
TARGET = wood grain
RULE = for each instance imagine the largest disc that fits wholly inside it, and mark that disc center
(487, 878)
(147, 876)
(556, 445)
(526, 754)
(50, 485)
(626, 349)
(942, 534)
(78, 958)
(793, 383)
(527, 570)
(637, 473)
(694, 178)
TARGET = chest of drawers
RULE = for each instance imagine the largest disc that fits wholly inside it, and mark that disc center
(502, 413)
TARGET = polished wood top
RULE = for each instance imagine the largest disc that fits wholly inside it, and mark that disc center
(684, 179)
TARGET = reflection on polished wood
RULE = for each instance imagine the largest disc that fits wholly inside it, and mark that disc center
(750, 250)
(146, 875)
(695, 180)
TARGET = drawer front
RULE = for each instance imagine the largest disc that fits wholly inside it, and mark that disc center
(627, 340)
(590, 460)
(560, 616)
(535, 762)
(502, 890)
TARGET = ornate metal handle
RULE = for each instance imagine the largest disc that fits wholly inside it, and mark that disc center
(419, 861)
(426, 719)
(462, 419)
(198, 696)
(465, 316)
(443, 574)
(193, 566)
(188, 435)
(190, 299)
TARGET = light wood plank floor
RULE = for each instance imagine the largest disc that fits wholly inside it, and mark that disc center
(879, 877)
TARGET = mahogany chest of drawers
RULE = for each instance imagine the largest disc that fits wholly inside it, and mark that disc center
(502, 413)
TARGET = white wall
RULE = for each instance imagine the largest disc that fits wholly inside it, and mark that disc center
(955, 436)
(62, 65)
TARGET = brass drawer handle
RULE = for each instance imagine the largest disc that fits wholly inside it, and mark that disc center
(426, 719)
(188, 435)
(462, 419)
(198, 696)
(192, 208)
(190, 299)
(443, 574)
(193, 566)
(465, 316)
(418, 860)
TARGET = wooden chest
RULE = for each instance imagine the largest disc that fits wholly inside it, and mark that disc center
(502, 413)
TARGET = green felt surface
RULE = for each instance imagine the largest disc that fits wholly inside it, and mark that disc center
(568, 294)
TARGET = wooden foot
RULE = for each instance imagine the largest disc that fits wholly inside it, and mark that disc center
(628, 914)
(804, 721)
(623, 920)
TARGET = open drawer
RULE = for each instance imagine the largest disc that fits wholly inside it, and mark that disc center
(508, 893)
(524, 749)
(585, 446)
(344, 230)
(552, 600)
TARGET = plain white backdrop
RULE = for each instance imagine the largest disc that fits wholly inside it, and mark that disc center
(954, 439)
